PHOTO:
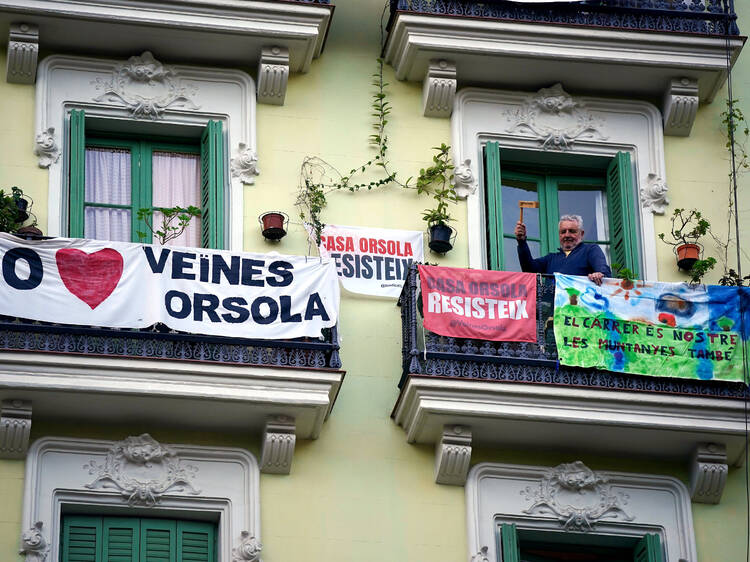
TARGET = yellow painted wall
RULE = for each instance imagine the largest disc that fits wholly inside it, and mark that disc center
(360, 493)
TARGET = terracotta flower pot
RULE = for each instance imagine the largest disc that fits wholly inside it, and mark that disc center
(273, 224)
(441, 238)
(687, 255)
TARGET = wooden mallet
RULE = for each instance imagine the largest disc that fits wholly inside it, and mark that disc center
(527, 205)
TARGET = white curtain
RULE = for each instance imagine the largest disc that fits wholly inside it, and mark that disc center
(107, 181)
(176, 182)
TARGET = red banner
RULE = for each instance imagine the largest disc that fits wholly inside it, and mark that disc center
(478, 304)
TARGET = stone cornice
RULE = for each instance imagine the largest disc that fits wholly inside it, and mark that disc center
(527, 56)
(202, 31)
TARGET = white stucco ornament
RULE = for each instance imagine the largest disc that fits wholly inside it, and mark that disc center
(464, 179)
(248, 550)
(577, 496)
(556, 119)
(33, 544)
(46, 148)
(481, 556)
(244, 165)
(146, 87)
(654, 194)
(142, 470)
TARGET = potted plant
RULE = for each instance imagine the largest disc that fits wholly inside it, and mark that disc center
(438, 179)
(14, 209)
(688, 227)
(273, 224)
(441, 235)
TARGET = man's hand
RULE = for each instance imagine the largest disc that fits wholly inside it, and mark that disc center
(520, 231)
(596, 277)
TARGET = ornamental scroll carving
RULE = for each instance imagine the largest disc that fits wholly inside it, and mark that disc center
(577, 496)
(46, 148)
(248, 550)
(142, 470)
(654, 194)
(146, 87)
(556, 119)
(244, 165)
(33, 544)
(464, 179)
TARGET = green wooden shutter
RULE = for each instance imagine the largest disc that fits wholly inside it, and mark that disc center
(196, 542)
(212, 185)
(494, 205)
(76, 171)
(509, 541)
(81, 539)
(120, 537)
(622, 224)
(158, 540)
(648, 549)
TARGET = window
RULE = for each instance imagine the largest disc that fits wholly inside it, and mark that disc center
(132, 539)
(112, 178)
(601, 197)
(535, 546)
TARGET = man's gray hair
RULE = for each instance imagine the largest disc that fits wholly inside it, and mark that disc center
(574, 218)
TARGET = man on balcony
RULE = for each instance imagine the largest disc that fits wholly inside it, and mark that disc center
(573, 257)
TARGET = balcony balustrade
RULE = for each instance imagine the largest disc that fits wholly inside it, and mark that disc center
(427, 353)
(710, 17)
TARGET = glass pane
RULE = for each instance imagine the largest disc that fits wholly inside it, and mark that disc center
(510, 254)
(591, 205)
(513, 192)
(103, 223)
(176, 182)
(108, 176)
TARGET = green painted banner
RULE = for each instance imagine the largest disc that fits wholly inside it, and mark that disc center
(658, 329)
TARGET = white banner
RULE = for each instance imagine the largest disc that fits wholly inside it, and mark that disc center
(121, 285)
(372, 261)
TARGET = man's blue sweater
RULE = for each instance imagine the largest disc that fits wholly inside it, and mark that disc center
(582, 260)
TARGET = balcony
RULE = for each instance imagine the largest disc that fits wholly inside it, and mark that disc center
(517, 395)
(646, 49)
(159, 376)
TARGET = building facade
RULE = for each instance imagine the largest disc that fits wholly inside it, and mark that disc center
(377, 441)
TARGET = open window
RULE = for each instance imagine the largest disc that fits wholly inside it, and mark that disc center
(113, 176)
(602, 194)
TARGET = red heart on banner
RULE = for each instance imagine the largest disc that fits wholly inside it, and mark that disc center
(90, 277)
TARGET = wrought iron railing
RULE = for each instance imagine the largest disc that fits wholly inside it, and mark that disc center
(159, 342)
(428, 354)
(708, 17)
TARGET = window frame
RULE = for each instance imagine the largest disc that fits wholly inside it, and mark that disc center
(656, 504)
(65, 83)
(635, 127)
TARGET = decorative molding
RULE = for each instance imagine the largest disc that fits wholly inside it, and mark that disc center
(278, 445)
(142, 470)
(708, 473)
(636, 127)
(46, 148)
(499, 412)
(680, 107)
(656, 504)
(248, 550)
(146, 87)
(439, 88)
(244, 166)
(654, 194)
(33, 544)
(15, 428)
(556, 119)
(273, 75)
(228, 478)
(453, 455)
(578, 496)
(23, 53)
(465, 181)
